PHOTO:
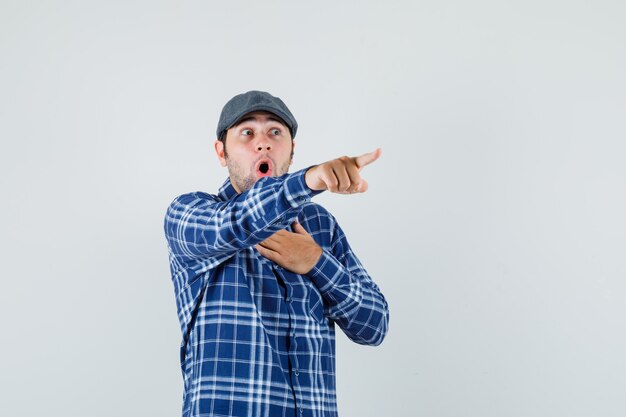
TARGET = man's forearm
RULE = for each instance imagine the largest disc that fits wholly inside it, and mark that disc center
(352, 298)
(197, 225)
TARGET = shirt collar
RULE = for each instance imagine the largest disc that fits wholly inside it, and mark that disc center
(227, 191)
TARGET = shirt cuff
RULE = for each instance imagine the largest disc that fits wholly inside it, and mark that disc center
(296, 190)
(328, 273)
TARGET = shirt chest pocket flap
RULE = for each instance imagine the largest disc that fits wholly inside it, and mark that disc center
(316, 303)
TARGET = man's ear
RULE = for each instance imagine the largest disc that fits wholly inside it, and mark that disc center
(219, 150)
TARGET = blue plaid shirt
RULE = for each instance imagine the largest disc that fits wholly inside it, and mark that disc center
(259, 340)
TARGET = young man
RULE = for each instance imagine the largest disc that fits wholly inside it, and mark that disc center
(262, 275)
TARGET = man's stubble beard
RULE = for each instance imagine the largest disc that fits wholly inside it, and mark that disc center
(243, 182)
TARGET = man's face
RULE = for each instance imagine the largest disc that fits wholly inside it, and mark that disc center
(258, 146)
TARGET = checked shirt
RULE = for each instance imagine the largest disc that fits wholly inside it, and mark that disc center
(259, 340)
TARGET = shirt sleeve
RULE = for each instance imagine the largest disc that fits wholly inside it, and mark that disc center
(352, 298)
(200, 225)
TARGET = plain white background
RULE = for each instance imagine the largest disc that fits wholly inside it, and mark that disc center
(494, 223)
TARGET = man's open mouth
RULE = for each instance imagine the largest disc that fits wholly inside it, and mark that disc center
(264, 169)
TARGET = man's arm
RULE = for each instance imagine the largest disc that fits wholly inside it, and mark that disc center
(197, 225)
(351, 297)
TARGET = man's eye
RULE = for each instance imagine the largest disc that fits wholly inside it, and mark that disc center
(275, 132)
(246, 132)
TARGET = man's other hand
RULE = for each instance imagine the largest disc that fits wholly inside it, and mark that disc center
(296, 252)
(341, 175)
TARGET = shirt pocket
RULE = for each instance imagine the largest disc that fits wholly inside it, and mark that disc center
(316, 304)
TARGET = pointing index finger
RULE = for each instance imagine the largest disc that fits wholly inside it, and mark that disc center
(367, 158)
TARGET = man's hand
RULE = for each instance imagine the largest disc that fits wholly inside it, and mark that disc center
(341, 175)
(296, 252)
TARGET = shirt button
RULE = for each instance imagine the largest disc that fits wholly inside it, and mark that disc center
(301, 411)
(297, 373)
(288, 299)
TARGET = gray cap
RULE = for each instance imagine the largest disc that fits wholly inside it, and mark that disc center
(254, 100)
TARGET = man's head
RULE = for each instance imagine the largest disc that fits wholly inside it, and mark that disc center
(255, 138)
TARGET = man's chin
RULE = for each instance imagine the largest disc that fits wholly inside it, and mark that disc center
(249, 182)
(247, 186)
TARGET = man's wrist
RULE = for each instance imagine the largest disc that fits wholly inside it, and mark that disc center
(327, 272)
(311, 180)
(316, 259)
(297, 190)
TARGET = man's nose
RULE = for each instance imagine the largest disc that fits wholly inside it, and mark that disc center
(263, 144)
